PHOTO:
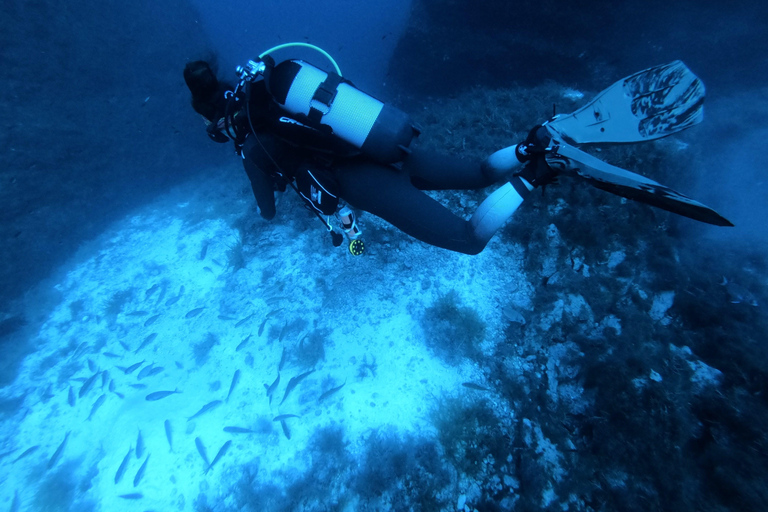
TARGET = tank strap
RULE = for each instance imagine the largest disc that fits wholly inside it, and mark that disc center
(324, 96)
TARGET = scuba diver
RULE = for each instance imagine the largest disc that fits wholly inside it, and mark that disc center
(296, 125)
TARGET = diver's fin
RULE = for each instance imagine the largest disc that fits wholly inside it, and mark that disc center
(570, 161)
(648, 105)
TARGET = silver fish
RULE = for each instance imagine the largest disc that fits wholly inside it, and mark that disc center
(28, 451)
(157, 395)
(151, 320)
(98, 403)
(472, 385)
(149, 339)
(282, 361)
(139, 446)
(293, 383)
(242, 343)
(272, 387)
(222, 452)
(57, 454)
(263, 324)
(133, 367)
(168, 434)
(285, 429)
(131, 496)
(201, 451)
(207, 407)
(145, 371)
(239, 430)
(283, 417)
(87, 385)
(235, 379)
(123, 466)
(140, 472)
(71, 397)
(329, 392)
(193, 313)
(241, 322)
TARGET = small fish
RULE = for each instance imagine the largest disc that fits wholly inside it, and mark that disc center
(28, 451)
(91, 365)
(261, 327)
(472, 385)
(123, 466)
(71, 397)
(149, 339)
(57, 454)
(168, 434)
(16, 503)
(138, 313)
(283, 417)
(111, 355)
(98, 403)
(293, 383)
(243, 343)
(172, 300)
(204, 249)
(158, 395)
(241, 322)
(272, 387)
(151, 320)
(133, 367)
(330, 392)
(154, 371)
(145, 371)
(201, 451)
(139, 446)
(222, 452)
(138, 386)
(87, 385)
(104, 378)
(239, 430)
(193, 313)
(235, 379)
(207, 407)
(131, 496)
(112, 386)
(285, 429)
(125, 346)
(151, 290)
(140, 472)
(282, 361)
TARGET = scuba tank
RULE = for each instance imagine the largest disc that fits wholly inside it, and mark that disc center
(329, 103)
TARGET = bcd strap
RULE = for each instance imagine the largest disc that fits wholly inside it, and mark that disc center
(324, 95)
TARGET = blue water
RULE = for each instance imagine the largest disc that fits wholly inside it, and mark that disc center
(599, 354)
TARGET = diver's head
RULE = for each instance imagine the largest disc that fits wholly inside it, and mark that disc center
(204, 86)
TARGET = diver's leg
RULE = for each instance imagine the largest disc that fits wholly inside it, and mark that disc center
(390, 195)
(430, 170)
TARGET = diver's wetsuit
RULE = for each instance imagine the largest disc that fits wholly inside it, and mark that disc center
(393, 193)
(276, 150)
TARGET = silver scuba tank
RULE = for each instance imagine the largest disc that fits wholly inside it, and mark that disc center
(329, 103)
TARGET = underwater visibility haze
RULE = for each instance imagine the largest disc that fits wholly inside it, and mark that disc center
(163, 347)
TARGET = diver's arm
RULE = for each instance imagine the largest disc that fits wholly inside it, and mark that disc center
(262, 184)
